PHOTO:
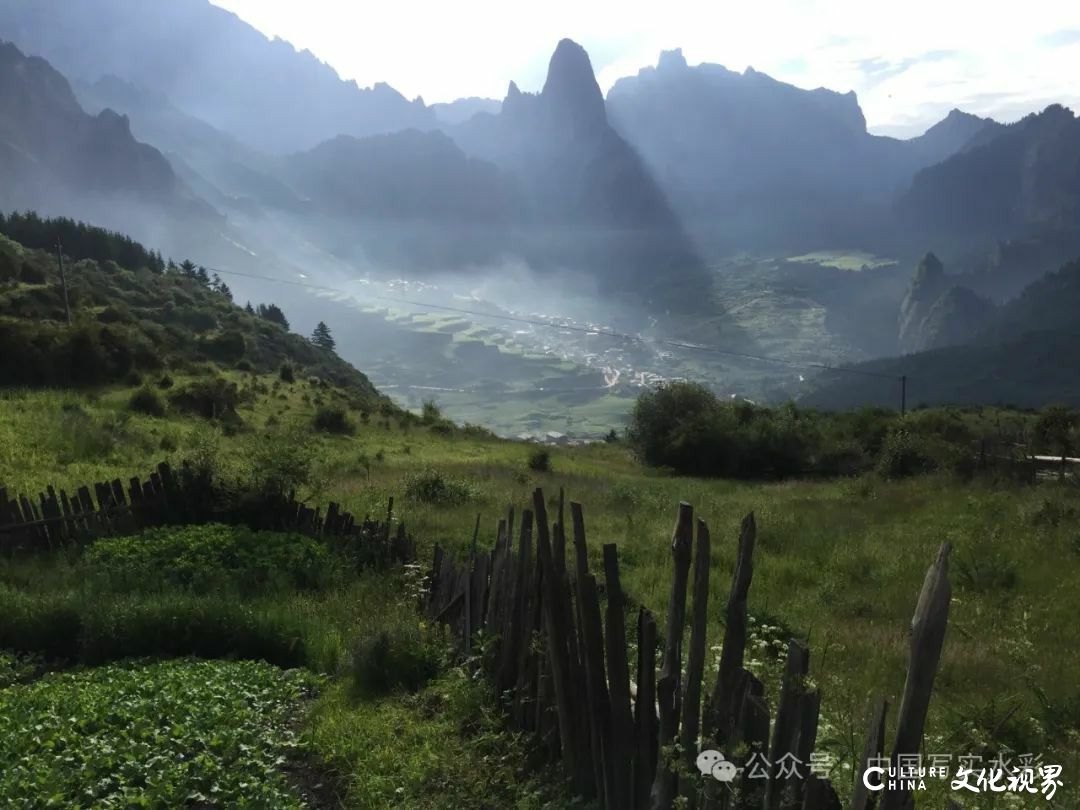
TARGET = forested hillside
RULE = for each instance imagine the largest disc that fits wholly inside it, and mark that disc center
(133, 313)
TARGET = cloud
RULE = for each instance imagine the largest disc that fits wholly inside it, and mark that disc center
(1059, 39)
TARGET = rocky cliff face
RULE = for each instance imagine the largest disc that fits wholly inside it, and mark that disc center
(936, 312)
(775, 163)
(590, 200)
(53, 146)
(212, 65)
(1025, 180)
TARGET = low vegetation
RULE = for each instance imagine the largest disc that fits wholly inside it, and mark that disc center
(850, 509)
(170, 734)
(685, 427)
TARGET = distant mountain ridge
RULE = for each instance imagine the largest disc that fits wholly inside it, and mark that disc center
(1024, 180)
(1023, 353)
(53, 154)
(771, 162)
(212, 65)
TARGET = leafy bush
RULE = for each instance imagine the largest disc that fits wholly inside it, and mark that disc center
(433, 487)
(684, 426)
(431, 413)
(386, 662)
(287, 373)
(904, 455)
(333, 419)
(201, 558)
(211, 399)
(95, 737)
(540, 460)
(148, 401)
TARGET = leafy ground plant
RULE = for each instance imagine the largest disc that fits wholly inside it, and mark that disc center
(182, 733)
(204, 557)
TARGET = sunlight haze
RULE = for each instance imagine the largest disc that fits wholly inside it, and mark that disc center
(909, 63)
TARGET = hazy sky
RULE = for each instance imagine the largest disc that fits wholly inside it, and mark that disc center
(910, 62)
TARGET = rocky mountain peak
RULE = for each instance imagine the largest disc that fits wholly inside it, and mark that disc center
(672, 60)
(571, 94)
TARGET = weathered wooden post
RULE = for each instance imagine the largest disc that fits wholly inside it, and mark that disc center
(862, 799)
(621, 754)
(695, 663)
(645, 722)
(723, 713)
(667, 688)
(927, 639)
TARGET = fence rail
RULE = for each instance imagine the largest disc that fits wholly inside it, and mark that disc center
(55, 520)
(559, 653)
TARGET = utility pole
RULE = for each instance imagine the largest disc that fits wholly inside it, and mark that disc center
(903, 394)
(63, 279)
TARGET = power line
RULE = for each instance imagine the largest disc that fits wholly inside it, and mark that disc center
(571, 328)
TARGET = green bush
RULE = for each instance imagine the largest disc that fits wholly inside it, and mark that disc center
(540, 460)
(433, 487)
(431, 413)
(904, 455)
(333, 419)
(385, 663)
(201, 558)
(287, 373)
(211, 399)
(684, 426)
(148, 401)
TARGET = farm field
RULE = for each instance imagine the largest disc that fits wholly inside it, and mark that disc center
(838, 561)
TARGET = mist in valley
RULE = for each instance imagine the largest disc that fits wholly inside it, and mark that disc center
(534, 262)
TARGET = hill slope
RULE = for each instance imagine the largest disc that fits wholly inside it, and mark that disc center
(144, 317)
(1027, 179)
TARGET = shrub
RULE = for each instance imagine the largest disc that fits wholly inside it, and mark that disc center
(282, 462)
(903, 455)
(333, 419)
(228, 347)
(385, 662)
(287, 373)
(431, 413)
(148, 401)
(32, 274)
(433, 487)
(540, 460)
(210, 399)
(165, 383)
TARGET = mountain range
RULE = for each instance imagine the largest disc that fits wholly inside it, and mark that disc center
(179, 123)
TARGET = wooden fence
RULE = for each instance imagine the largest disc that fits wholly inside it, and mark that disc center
(55, 520)
(555, 642)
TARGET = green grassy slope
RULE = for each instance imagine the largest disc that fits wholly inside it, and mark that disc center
(841, 560)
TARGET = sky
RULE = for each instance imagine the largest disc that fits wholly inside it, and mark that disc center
(909, 62)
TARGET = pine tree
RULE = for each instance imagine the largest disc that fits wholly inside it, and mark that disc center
(249, 309)
(273, 313)
(187, 267)
(322, 338)
(202, 275)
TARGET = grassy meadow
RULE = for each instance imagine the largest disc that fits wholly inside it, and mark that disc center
(839, 562)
